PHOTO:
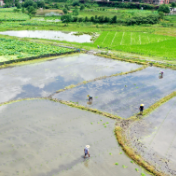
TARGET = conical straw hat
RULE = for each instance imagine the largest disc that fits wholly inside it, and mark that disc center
(142, 104)
(87, 146)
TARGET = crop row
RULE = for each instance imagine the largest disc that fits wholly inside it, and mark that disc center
(108, 39)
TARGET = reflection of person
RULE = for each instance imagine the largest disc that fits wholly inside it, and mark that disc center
(141, 108)
(86, 151)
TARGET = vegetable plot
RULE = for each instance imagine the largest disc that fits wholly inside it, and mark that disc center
(11, 49)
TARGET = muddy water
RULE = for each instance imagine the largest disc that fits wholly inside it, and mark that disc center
(122, 95)
(44, 138)
(156, 134)
(54, 35)
(44, 78)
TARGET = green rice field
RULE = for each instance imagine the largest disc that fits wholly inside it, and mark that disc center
(138, 42)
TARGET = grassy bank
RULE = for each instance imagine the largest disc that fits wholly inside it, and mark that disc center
(139, 61)
(133, 155)
(75, 105)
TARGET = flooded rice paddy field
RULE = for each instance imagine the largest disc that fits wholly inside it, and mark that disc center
(41, 79)
(122, 95)
(53, 35)
(154, 136)
(45, 138)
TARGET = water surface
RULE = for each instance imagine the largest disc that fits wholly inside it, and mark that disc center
(44, 138)
(53, 35)
(122, 95)
(44, 78)
(157, 136)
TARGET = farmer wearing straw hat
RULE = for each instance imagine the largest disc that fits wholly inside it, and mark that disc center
(141, 108)
(89, 97)
(86, 151)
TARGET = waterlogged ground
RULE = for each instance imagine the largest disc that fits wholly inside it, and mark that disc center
(44, 78)
(154, 137)
(45, 138)
(54, 35)
(122, 95)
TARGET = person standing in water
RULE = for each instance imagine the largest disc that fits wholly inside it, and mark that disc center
(161, 74)
(86, 151)
(90, 99)
(141, 108)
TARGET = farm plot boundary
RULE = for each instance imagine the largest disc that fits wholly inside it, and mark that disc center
(103, 77)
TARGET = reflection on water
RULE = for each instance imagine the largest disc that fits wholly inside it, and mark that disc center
(44, 78)
(157, 132)
(122, 95)
(54, 35)
(44, 138)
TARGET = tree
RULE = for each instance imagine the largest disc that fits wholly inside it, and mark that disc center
(82, 7)
(75, 3)
(41, 4)
(164, 8)
(161, 15)
(66, 18)
(75, 11)
(66, 6)
(65, 11)
(173, 4)
(28, 3)
(18, 5)
(8, 3)
(31, 11)
(16, 2)
(35, 5)
(114, 19)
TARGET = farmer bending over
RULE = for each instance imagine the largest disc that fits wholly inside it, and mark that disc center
(90, 98)
(86, 151)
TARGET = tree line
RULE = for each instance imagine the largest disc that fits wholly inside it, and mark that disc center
(136, 20)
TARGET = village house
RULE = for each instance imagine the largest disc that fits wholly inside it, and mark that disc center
(157, 2)
(1, 2)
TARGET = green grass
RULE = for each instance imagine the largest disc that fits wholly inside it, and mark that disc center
(12, 16)
(15, 49)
